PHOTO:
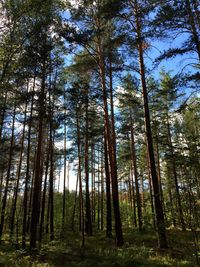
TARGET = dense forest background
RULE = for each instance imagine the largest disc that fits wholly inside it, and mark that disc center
(103, 95)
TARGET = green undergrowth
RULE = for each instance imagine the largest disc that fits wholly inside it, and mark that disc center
(139, 250)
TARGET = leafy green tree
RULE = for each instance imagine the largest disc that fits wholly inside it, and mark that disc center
(180, 18)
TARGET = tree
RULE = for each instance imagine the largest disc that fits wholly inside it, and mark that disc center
(179, 17)
(95, 48)
(136, 21)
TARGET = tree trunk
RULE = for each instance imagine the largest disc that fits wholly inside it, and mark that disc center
(82, 221)
(138, 198)
(1, 182)
(15, 197)
(51, 146)
(133, 193)
(93, 182)
(111, 151)
(162, 240)
(159, 171)
(75, 200)
(44, 197)
(4, 200)
(88, 221)
(51, 181)
(173, 162)
(102, 193)
(27, 176)
(3, 112)
(108, 196)
(169, 188)
(38, 179)
(150, 190)
(65, 169)
(30, 203)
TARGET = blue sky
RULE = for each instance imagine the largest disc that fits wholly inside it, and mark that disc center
(176, 64)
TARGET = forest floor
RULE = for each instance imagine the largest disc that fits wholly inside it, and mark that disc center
(140, 250)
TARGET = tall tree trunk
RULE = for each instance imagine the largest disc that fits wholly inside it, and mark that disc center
(47, 215)
(133, 194)
(30, 202)
(1, 182)
(158, 168)
(98, 194)
(108, 195)
(93, 182)
(15, 197)
(44, 196)
(51, 144)
(102, 193)
(38, 179)
(75, 201)
(4, 200)
(169, 188)
(173, 162)
(162, 239)
(27, 175)
(129, 192)
(82, 221)
(111, 150)
(150, 190)
(3, 112)
(51, 182)
(138, 198)
(65, 169)
(88, 221)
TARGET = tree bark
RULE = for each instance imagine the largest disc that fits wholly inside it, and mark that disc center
(27, 176)
(3, 112)
(138, 198)
(51, 173)
(111, 151)
(15, 197)
(65, 169)
(82, 221)
(4, 200)
(108, 195)
(133, 193)
(38, 179)
(102, 193)
(150, 190)
(44, 196)
(75, 200)
(88, 221)
(173, 162)
(162, 239)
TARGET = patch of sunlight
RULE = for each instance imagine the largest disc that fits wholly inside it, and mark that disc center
(167, 261)
(41, 265)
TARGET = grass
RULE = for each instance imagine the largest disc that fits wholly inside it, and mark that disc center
(140, 250)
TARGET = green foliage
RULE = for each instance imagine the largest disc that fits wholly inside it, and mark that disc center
(69, 53)
(139, 250)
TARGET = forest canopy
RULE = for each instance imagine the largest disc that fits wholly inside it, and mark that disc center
(99, 132)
